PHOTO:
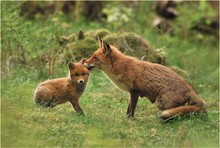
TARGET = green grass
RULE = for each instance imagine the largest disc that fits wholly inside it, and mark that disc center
(104, 123)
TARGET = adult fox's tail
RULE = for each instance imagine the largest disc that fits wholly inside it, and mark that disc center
(181, 110)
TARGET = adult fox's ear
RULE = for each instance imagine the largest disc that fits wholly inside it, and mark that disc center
(71, 65)
(100, 42)
(106, 48)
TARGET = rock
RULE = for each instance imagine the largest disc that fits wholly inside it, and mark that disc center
(127, 42)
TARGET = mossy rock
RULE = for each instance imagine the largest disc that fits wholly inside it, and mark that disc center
(83, 45)
(133, 45)
(80, 49)
(98, 33)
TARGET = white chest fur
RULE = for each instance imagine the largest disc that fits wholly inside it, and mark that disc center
(117, 80)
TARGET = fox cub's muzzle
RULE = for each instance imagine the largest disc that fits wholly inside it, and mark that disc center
(81, 81)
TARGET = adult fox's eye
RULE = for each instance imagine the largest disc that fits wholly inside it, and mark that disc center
(96, 59)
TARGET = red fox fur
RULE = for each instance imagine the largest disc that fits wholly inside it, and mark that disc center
(162, 86)
(56, 91)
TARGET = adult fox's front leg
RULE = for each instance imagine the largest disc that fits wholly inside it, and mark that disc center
(132, 103)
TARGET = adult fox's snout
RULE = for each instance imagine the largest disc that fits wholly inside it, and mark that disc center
(88, 65)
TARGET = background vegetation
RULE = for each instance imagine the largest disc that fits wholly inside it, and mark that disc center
(29, 47)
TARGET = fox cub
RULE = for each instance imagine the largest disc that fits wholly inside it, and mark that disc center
(162, 86)
(56, 91)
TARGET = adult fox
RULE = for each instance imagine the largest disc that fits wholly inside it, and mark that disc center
(162, 86)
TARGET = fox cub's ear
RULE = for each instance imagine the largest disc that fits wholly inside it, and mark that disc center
(71, 65)
(82, 61)
(106, 48)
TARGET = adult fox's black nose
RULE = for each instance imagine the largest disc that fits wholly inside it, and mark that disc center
(89, 66)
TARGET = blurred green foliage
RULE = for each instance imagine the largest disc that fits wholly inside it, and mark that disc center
(29, 46)
(33, 45)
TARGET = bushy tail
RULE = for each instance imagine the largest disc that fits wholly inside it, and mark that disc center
(182, 110)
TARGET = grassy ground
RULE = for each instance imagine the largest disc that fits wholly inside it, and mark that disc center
(105, 123)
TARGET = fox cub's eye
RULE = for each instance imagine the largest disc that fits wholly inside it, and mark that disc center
(85, 74)
(76, 74)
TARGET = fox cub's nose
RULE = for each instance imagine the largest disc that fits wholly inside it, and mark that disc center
(80, 81)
